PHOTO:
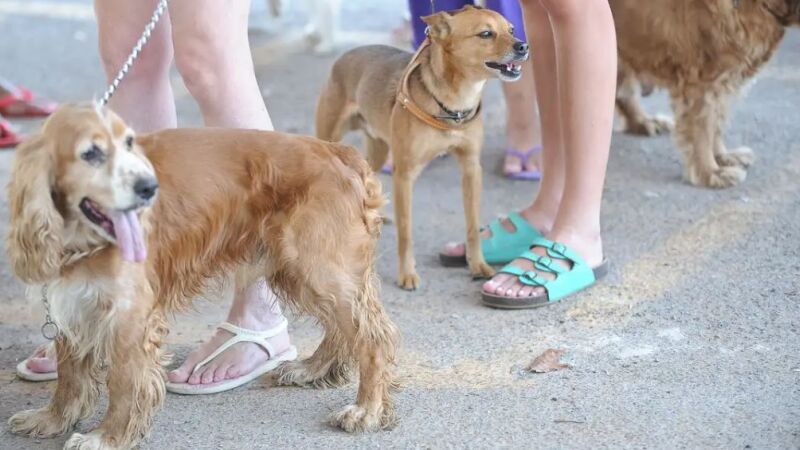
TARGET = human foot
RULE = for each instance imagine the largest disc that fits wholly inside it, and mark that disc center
(23, 103)
(42, 365)
(501, 241)
(553, 269)
(239, 360)
(523, 165)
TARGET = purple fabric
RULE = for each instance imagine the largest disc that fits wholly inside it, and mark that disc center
(510, 9)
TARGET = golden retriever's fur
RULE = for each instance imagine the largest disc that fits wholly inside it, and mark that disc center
(299, 211)
(703, 51)
(361, 95)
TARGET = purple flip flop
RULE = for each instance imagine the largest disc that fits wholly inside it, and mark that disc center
(535, 174)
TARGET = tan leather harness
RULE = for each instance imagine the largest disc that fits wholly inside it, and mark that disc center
(408, 103)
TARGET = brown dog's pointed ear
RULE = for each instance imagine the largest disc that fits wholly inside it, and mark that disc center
(438, 24)
(34, 241)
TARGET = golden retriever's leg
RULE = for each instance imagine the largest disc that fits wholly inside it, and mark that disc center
(471, 183)
(135, 385)
(740, 157)
(637, 121)
(404, 177)
(377, 151)
(74, 399)
(697, 124)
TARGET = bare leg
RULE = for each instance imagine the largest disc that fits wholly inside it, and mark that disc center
(145, 98)
(212, 53)
(583, 68)
(523, 130)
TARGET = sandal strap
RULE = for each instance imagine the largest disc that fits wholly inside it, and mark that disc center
(524, 155)
(244, 335)
(566, 281)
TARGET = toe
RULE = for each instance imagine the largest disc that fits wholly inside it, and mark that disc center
(220, 373)
(179, 375)
(207, 376)
(42, 365)
(195, 377)
(512, 288)
(525, 291)
(454, 249)
(234, 371)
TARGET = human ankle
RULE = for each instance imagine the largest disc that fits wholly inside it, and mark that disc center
(587, 243)
(542, 220)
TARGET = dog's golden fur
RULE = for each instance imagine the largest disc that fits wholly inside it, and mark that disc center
(302, 212)
(360, 95)
(703, 51)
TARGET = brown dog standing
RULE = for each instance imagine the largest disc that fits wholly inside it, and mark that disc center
(420, 105)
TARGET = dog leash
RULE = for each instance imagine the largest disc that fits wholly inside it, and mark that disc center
(137, 49)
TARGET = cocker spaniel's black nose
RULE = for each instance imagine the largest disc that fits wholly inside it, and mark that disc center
(145, 188)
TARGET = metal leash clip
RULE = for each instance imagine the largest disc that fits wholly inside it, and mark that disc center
(49, 329)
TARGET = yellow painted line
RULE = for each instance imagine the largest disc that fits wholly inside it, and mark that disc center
(51, 10)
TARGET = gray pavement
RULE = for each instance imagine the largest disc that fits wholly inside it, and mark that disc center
(692, 342)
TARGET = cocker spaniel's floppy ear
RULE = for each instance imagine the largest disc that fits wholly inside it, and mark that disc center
(34, 241)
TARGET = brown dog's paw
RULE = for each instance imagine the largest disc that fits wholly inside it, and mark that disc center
(481, 270)
(724, 177)
(38, 423)
(651, 126)
(89, 441)
(741, 157)
(355, 419)
(409, 281)
(301, 373)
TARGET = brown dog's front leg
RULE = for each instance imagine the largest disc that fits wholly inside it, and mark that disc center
(135, 386)
(471, 185)
(74, 399)
(408, 278)
(697, 120)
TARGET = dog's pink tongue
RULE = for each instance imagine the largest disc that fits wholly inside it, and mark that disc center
(130, 238)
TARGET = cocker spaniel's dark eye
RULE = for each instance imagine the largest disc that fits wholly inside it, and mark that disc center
(129, 142)
(94, 155)
(488, 34)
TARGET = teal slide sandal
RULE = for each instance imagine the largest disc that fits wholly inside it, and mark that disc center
(503, 246)
(567, 281)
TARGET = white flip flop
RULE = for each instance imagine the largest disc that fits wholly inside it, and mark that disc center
(24, 373)
(239, 335)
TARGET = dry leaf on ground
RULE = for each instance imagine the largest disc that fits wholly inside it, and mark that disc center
(548, 361)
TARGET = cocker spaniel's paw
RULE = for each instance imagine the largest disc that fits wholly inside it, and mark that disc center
(39, 423)
(739, 157)
(89, 441)
(301, 373)
(355, 419)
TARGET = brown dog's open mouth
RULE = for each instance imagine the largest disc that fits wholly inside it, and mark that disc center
(508, 71)
(122, 226)
(93, 212)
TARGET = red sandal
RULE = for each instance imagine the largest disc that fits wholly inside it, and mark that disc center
(8, 139)
(22, 103)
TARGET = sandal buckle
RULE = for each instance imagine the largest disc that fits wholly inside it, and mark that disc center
(558, 248)
(545, 261)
